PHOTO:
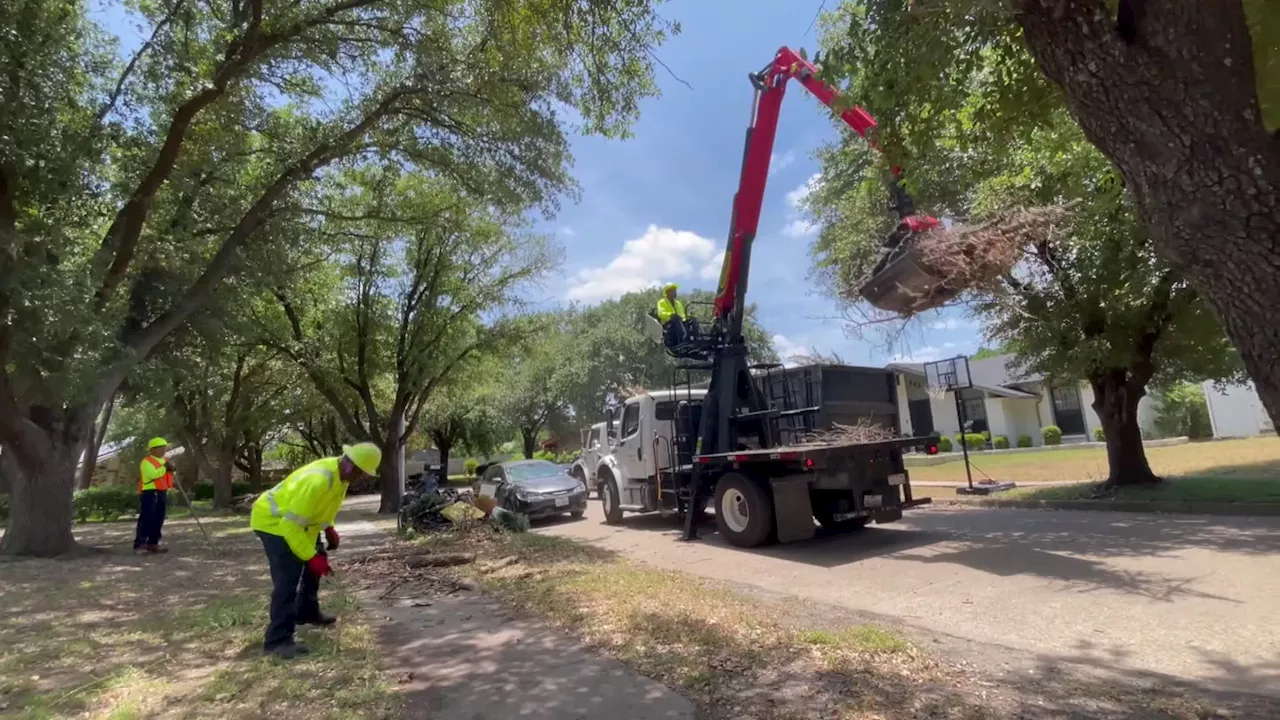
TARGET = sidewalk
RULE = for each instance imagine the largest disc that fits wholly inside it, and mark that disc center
(463, 657)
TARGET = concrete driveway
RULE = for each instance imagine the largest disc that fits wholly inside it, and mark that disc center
(1188, 596)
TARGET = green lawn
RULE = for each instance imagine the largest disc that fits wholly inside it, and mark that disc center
(1253, 458)
(1183, 489)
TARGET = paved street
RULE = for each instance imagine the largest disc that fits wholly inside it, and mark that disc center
(1189, 596)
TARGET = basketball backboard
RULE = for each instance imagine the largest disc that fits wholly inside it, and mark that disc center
(949, 374)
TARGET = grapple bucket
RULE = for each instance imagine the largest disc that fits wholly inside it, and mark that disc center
(904, 287)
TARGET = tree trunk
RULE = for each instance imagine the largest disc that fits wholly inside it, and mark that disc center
(253, 465)
(222, 475)
(391, 471)
(1116, 403)
(444, 448)
(42, 475)
(1177, 112)
(530, 438)
(96, 435)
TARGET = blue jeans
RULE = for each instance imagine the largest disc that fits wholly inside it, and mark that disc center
(151, 511)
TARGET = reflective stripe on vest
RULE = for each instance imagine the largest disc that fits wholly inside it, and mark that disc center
(299, 520)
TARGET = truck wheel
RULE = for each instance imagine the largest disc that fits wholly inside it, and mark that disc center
(825, 512)
(744, 511)
(609, 500)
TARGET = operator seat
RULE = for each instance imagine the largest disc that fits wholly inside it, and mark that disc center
(697, 347)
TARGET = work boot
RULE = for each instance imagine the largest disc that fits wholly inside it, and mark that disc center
(288, 651)
(318, 619)
(156, 549)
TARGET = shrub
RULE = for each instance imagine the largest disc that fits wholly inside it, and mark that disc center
(1051, 434)
(986, 435)
(1183, 411)
(1098, 434)
(544, 455)
(568, 457)
(105, 502)
(944, 444)
(469, 466)
(1024, 441)
(975, 441)
(1001, 442)
(204, 491)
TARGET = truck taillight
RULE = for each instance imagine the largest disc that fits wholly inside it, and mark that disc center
(933, 449)
(808, 463)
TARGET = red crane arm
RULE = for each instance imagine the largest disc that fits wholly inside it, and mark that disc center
(771, 85)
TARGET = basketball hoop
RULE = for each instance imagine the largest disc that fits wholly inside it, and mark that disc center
(937, 393)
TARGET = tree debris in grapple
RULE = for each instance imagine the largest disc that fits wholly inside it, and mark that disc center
(964, 258)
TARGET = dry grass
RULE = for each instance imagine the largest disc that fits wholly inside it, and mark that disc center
(737, 655)
(1252, 459)
(113, 635)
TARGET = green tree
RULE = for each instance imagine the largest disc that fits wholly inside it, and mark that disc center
(421, 265)
(536, 387)
(1092, 302)
(130, 188)
(611, 343)
(1185, 85)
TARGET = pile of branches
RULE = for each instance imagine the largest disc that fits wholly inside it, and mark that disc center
(421, 507)
(974, 257)
(864, 432)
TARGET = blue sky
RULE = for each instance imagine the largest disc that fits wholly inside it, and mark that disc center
(655, 208)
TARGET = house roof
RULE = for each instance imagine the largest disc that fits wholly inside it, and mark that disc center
(988, 377)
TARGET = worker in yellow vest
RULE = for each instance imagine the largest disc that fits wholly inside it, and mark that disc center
(676, 323)
(289, 519)
(155, 479)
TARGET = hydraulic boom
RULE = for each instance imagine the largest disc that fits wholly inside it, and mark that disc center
(770, 85)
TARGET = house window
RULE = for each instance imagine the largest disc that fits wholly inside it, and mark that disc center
(1067, 412)
(975, 410)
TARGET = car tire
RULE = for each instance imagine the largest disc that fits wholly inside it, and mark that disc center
(744, 511)
(610, 500)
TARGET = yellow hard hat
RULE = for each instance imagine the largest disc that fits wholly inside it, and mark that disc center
(669, 287)
(365, 455)
(157, 442)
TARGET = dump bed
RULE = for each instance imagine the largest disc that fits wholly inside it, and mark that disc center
(833, 395)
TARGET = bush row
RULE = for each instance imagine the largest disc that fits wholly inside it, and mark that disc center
(1050, 434)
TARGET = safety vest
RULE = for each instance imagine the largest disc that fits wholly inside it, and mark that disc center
(154, 474)
(667, 308)
(301, 505)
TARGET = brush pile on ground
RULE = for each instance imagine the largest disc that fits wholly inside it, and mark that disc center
(967, 258)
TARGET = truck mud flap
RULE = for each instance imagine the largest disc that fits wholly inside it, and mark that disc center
(887, 516)
(793, 513)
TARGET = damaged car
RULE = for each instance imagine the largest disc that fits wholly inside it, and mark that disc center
(535, 488)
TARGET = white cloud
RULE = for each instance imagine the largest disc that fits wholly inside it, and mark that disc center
(567, 231)
(711, 271)
(657, 256)
(797, 196)
(798, 222)
(779, 162)
(799, 228)
(788, 352)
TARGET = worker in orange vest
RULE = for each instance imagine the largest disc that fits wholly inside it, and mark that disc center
(155, 479)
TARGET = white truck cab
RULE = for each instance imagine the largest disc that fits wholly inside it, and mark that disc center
(596, 443)
(627, 477)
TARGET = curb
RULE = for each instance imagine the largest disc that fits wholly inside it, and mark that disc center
(1130, 506)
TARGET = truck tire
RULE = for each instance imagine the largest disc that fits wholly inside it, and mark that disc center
(744, 511)
(610, 500)
(825, 510)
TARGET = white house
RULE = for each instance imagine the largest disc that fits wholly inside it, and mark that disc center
(1236, 411)
(1005, 401)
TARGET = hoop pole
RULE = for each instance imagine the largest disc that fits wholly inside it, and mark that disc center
(964, 437)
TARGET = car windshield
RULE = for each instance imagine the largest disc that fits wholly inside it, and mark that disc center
(533, 470)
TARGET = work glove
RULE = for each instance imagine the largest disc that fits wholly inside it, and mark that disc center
(318, 565)
(331, 538)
